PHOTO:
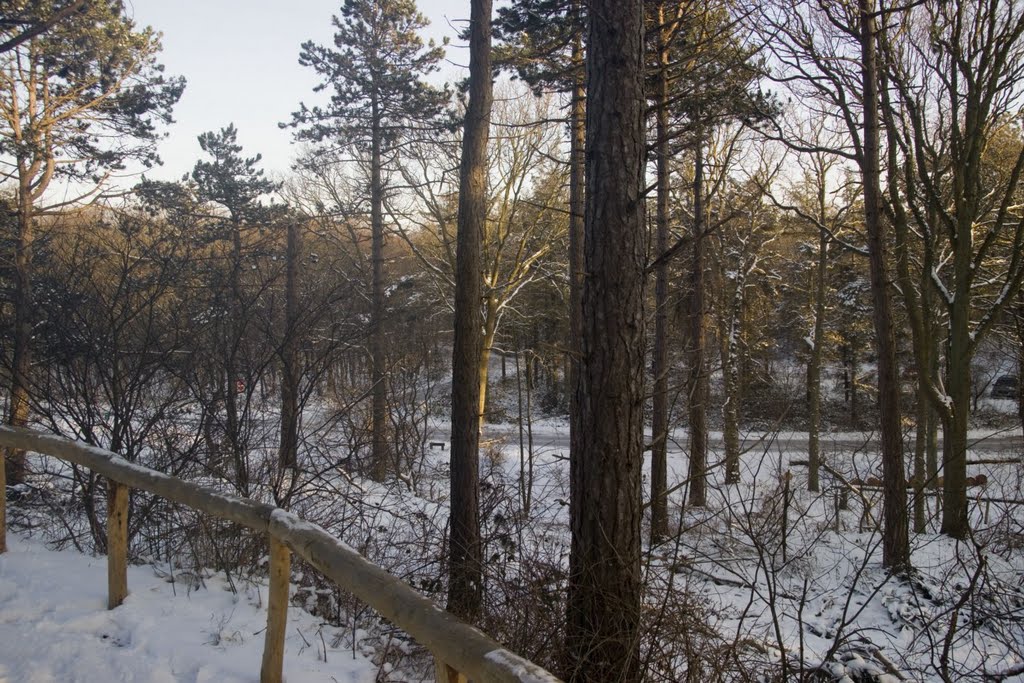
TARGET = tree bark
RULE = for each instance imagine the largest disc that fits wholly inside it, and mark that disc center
(955, 423)
(697, 379)
(577, 143)
(465, 562)
(814, 362)
(288, 451)
(23, 306)
(603, 614)
(659, 352)
(490, 332)
(379, 456)
(895, 541)
(731, 379)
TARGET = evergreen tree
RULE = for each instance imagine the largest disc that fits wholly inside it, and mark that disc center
(603, 614)
(540, 41)
(702, 76)
(81, 100)
(232, 185)
(378, 102)
(230, 179)
(19, 25)
(465, 591)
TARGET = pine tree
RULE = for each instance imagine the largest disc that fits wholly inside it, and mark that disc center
(81, 100)
(22, 24)
(465, 592)
(603, 614)
(378, 102)
(233, 185)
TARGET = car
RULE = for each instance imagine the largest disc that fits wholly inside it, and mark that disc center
(1005, 387)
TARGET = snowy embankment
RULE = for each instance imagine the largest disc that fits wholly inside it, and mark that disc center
(54, 626)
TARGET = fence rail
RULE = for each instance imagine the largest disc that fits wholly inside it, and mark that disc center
(461, 651)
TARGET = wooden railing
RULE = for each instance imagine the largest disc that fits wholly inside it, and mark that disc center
(461, 651)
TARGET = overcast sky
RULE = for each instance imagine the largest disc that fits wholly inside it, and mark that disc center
(241, 61)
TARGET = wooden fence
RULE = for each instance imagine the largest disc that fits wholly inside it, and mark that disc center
(462, 652)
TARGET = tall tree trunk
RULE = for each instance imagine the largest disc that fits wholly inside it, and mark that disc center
(490, 331)
(954, 425)
(236, 335)
(923, 447)
(697, 379)
(465, 561)
(731, 362)
(603, 615)
(288, 451)
(1020, 357)
(814, 361)
(659, 352)
(379, 456)
(932, 456)
(17, 415)
(926, 441)
(577, 143)
(895, 541)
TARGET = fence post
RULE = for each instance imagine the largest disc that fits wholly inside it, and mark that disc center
(446, 674)
(117, 543)
(277, 612)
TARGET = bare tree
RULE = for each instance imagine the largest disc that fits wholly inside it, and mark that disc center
(524, 216)
(826, 53)
(895, 544)
(92, 80)
(950, 98)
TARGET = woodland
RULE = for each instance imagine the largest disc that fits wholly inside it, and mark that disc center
(677, 341)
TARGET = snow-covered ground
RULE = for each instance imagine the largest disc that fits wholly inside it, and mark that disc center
(766, 575)
(55, 626)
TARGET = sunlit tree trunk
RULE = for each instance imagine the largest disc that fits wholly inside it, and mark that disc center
(465, 589)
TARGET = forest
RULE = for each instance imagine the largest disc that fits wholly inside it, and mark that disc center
(674, 340)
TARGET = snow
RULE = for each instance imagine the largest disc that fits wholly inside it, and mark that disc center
(524, 670)
(820, 600)
(947, 296)
(54, 626)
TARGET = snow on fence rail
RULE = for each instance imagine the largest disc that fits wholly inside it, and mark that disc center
(461, 651)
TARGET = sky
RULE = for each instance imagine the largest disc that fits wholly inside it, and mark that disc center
(240, 58)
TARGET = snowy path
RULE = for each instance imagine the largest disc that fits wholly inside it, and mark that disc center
(554, 435)
(54, 626)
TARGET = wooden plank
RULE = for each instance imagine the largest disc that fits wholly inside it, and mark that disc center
(446, 674)
(117, 543)
(277, 613)
(113, 466)
(467, 650)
